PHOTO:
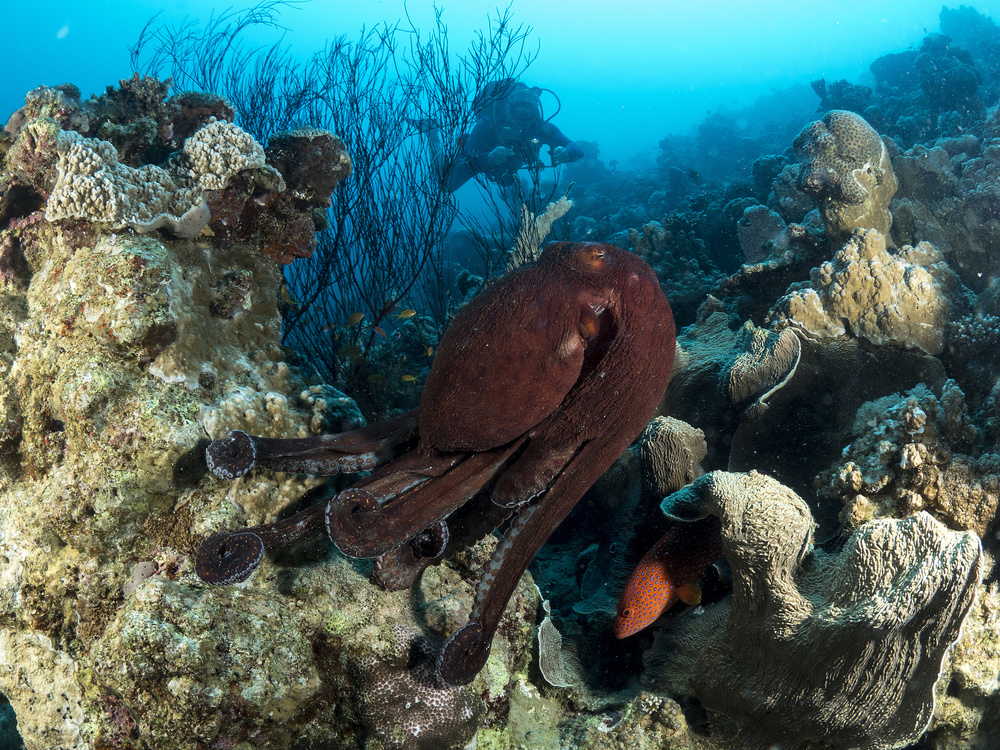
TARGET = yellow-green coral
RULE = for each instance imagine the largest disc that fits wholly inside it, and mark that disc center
(869, 293)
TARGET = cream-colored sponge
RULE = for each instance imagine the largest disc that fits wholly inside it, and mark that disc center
(92, 184)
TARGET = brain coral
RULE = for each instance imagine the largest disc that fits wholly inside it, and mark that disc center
(845, 166)
(869, 293)
(92, 183)
(405, 706)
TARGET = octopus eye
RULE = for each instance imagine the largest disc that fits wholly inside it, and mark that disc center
(592, 258)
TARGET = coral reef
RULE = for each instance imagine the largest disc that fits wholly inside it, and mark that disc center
(836, 282)
(761, 232)
(685, 272)
(912, 453)
(405, 706)
(763, 364)
(670, 452)
(216, 179)
(841, 648)
(845, 166)
(121, 352)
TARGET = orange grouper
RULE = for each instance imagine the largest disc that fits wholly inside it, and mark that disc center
(668, 572)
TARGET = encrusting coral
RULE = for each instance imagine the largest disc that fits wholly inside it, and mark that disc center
(92, 183)
(843, 649)
(914, 452)
(869, 293)
(405, 705)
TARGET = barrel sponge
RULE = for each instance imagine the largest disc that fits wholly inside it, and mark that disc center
(93, 184)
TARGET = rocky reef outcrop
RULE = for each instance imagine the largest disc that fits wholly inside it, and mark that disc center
(139, 319)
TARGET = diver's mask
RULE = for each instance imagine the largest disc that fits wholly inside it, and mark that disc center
(523, 115)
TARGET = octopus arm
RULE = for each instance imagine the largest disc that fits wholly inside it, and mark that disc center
(412, 495)
(358, 450)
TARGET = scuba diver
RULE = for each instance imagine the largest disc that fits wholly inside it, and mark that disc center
(508, 135)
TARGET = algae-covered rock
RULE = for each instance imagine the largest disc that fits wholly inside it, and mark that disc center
(121, 355)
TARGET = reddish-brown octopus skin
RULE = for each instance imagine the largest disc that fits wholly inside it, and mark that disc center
(513, 353)
(574, 352)
(539, 384)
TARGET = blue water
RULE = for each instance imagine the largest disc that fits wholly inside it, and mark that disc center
(627, 73)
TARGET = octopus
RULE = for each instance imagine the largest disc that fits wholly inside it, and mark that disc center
(539, 384)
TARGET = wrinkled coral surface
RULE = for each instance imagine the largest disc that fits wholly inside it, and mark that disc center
(93, 184)
(842, 649)
(869, 293)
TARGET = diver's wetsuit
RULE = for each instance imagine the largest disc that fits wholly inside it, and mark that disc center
(486, 135)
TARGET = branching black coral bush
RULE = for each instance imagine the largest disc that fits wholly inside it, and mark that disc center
(382, 251)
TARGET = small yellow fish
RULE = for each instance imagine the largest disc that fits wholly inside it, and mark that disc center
(285, 298)
(408, 378)
(376, 379)
(355, 319)
(429, 352)
(379, 330)
(351, 350)
(405, 314)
